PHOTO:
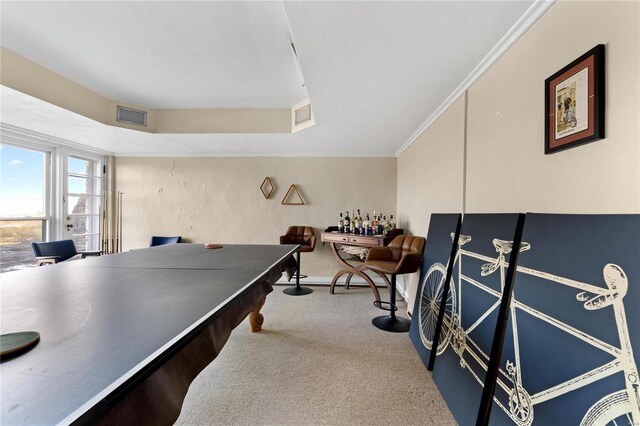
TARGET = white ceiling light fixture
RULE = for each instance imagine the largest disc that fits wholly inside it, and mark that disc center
(296, 61)
(292, 45)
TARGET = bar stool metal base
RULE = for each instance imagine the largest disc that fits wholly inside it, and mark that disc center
(392, 324)
(297, 291)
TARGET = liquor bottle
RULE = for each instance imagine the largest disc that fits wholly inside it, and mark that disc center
(366, 225)
(385, 226)
(380, 227)
(374, 224)
(353, 221)
(392, 223)
(340, 223)
(347, 222)
(358, 227)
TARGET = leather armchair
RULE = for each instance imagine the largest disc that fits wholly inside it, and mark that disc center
(302, 235)
(403, 255)
(306, 238)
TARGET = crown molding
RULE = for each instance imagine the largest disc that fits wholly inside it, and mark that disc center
(535, 11)
(173, 154)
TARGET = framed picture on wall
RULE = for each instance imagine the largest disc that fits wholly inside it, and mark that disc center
(574, 103)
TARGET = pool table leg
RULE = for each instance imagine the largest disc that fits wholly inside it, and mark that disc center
(256, 319)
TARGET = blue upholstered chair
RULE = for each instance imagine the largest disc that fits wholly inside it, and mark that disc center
(160, 241)
(58, 251)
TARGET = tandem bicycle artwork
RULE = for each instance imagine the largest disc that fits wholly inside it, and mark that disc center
(573, 322)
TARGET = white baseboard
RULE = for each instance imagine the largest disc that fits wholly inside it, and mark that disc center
(403, 292)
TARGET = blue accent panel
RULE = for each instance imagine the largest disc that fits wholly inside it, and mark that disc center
(462, 387)
(569, 355)
(553, 312)
(437, 250)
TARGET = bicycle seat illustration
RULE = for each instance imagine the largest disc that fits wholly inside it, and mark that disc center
(620, 407)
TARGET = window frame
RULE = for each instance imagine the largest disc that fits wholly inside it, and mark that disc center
(57, 152)
(98, 164)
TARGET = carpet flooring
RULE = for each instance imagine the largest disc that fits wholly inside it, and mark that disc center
(317, 361)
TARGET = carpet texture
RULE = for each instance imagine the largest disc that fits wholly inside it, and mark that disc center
(317, 361)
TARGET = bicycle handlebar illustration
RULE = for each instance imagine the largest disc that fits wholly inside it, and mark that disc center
(622, 405)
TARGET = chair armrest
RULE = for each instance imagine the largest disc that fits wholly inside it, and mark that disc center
(84, 254)
(46, 260)
(285, 239)
(380, 253)
(409, 263)
(312, 241)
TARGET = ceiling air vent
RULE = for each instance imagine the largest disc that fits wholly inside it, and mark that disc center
(132, 116)
(303, 114)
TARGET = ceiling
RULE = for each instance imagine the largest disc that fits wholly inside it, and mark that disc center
(162, 54)
(374, 71)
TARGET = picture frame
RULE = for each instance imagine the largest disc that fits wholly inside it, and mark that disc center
(575, 103)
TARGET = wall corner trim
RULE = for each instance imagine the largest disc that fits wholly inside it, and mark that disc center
(537, 9)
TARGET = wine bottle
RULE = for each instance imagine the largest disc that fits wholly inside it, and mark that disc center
(347, 222)
(392, 223)
(358, 223)
(340, 223)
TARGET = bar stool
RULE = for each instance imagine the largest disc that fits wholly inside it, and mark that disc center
(305, 237)
(403, 255)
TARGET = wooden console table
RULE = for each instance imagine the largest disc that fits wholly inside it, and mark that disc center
(356, 267)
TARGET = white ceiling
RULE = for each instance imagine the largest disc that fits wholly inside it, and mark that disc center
(374, 71)
(162, 54)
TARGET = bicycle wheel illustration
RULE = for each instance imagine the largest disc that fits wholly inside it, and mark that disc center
(613, 409)
(429, 306)
(520, 406)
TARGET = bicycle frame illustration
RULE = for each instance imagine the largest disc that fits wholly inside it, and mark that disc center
(616, 408)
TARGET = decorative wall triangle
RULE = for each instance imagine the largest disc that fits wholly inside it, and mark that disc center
(293, 193)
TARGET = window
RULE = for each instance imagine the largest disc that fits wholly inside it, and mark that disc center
(24, 209)
(83, 202)
(48, 192)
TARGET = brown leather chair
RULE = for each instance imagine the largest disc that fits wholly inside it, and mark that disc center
(305, 237)
(403, 255)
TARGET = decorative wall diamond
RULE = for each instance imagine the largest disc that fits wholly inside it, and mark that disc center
(267, 187)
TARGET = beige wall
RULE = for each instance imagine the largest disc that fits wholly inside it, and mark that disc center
(218, 199)
(430, 172)
(506, 119)
(430, 178)
(506, 169)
